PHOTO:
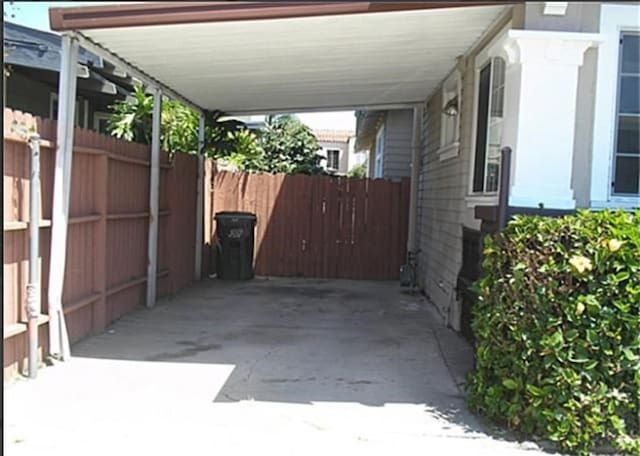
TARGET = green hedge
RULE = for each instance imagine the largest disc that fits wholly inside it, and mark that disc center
(557, 327)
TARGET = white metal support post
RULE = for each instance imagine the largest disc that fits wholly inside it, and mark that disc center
(58, 337)
(154, 196)
(415, 176)
(199, 200)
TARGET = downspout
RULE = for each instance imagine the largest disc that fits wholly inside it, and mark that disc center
(412, 244)
(33, 287)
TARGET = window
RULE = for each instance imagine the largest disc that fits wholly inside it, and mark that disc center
(486, 168)
(377, 171)
(626, 169)
(450, 117)
(101, 122)
(333, 157)
(53, 109)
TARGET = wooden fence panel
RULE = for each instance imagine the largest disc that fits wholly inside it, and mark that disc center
(106, 268)
(320, 226)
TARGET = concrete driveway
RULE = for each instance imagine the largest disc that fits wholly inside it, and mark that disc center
(279, 366)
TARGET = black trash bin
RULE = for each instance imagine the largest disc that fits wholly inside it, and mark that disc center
(235, 245)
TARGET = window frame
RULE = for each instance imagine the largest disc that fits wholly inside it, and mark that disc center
(614, 19)
(53, 98)
(486, 59)
(337, 151)
(379, 153)
(97, 117)
(613, 195)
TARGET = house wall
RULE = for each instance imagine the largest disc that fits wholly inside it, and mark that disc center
(397, 144)
(344, 154)
(443, 208)
(579, 17)
(27, 95)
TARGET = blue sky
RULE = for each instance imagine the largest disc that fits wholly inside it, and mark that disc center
(36, 15)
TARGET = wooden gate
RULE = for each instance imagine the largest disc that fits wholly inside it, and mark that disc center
(320, 226)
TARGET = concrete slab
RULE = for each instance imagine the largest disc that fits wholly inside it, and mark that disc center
(269, 366)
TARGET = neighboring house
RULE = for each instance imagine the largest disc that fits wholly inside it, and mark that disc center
(558, 82)
(32, 58)
(386, 137)
(337, 150)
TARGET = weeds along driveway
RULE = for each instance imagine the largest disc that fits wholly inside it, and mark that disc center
(279, 366)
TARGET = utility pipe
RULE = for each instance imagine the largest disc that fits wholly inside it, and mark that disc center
(33, 287)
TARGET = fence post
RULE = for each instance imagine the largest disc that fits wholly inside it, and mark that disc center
(100, 242)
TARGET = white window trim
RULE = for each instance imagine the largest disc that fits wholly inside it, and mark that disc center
(98, 116)
(53, 97)
(327, 150)
(379, 153)
(492, 49)
(452, 149)
(614, 20)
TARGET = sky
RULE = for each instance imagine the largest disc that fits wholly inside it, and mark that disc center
(36, 15)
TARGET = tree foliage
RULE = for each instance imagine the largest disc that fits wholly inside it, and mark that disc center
(557, 327)
(290, 147)
(285, 145)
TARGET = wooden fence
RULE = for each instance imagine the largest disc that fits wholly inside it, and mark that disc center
(320, 226)
(105, 275)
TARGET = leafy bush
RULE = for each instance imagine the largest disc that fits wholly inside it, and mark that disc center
(358, 171)
(557, 327)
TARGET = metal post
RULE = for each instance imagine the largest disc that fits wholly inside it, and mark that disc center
(199, 200)
(33, 287)
(415, 176)
(505, 174)
(154, 195)
(58, 338)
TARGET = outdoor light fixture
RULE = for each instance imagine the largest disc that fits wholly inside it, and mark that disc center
(451, 108)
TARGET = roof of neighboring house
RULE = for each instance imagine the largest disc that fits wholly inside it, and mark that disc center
(40, 50)
(34, 48)
(334, 135)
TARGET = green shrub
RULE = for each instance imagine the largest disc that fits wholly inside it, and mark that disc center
(557, 327)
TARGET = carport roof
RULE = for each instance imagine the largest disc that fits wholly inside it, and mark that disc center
(251, 57)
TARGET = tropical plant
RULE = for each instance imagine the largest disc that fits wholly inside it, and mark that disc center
(557, 328)
(131, 120)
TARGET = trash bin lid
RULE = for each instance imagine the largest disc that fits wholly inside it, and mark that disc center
(235, 215)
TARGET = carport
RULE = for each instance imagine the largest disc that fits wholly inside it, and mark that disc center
(256, 58)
